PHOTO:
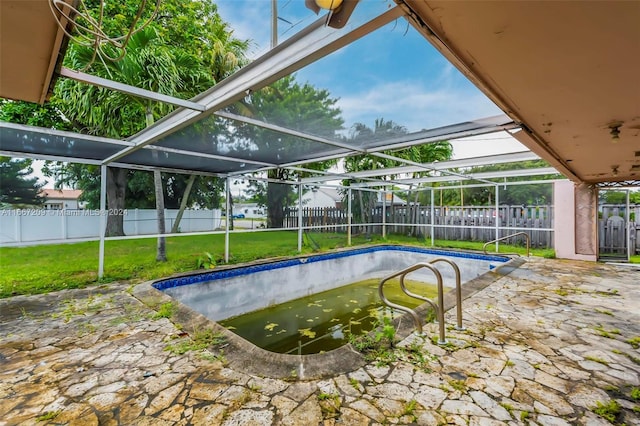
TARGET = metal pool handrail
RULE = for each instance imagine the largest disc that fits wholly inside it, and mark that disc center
(527, 237)
(439, 307)
(459, 326)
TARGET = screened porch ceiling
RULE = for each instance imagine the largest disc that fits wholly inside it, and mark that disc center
(186, 141)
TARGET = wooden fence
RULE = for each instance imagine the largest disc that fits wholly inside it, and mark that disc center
(614, 232)
(465, 223)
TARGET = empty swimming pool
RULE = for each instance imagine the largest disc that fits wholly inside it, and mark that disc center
(232, 292)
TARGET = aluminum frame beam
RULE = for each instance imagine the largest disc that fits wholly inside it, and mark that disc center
(62, 133)
(46, 157)
(486, 125)
(492, 125)
(437, 166)
(286, 131)
(103, 140)
(328, 176)
(211, 156)
(407, 142)
(129, 90)
(476, 176)
(427, 168)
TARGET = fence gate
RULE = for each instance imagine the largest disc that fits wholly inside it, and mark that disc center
(617, 226)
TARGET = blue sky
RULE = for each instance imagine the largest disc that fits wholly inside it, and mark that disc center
(393, 73)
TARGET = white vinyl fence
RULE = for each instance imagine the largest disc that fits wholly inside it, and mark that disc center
(30, 226)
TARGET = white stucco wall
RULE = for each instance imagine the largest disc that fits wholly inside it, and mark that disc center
(565, 222)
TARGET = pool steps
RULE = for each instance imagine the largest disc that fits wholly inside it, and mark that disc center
(438, 307)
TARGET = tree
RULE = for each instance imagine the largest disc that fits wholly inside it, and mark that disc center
(16, 188)
(148, 64)
(296, 106)
(47, 115)
(611, 196)
(425, 153)
(188, 39)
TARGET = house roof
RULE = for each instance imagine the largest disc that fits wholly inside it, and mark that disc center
(32, 47)
(61, 194)
(332, 193)
(566, 70)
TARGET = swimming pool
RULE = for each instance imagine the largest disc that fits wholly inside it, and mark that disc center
(214, 296)
(221, 294)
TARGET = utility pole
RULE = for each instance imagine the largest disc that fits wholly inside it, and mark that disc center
(274, 23)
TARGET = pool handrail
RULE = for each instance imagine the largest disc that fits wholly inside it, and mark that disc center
(527, 238)
(439, 307)
(456, 270)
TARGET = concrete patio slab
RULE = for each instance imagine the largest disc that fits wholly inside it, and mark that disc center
(552, 343)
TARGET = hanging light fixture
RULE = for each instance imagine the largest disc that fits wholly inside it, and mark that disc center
(339, 10)
(328, 4)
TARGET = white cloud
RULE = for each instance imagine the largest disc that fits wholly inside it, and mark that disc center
(414, 106)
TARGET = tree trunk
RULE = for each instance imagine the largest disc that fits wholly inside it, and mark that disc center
(116, 189)
(183, 204)
(276, 199)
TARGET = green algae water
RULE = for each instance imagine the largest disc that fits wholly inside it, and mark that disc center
(324, 321)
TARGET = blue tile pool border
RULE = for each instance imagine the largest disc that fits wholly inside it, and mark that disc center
(251, 269)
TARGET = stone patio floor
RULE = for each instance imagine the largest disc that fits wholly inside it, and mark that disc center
(546, 344)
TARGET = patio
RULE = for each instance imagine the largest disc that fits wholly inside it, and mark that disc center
(547, 343)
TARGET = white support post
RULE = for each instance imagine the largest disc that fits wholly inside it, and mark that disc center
(497, 217)
(226, 220)
(63, 224)
(18, 223)
(299, 217)
(433, 218)
(384, 212)
(349, 217)
(103, 218)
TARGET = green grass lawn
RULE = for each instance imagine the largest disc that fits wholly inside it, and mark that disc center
(45, 268)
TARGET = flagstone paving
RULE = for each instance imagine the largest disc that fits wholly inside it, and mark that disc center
(547, 344)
